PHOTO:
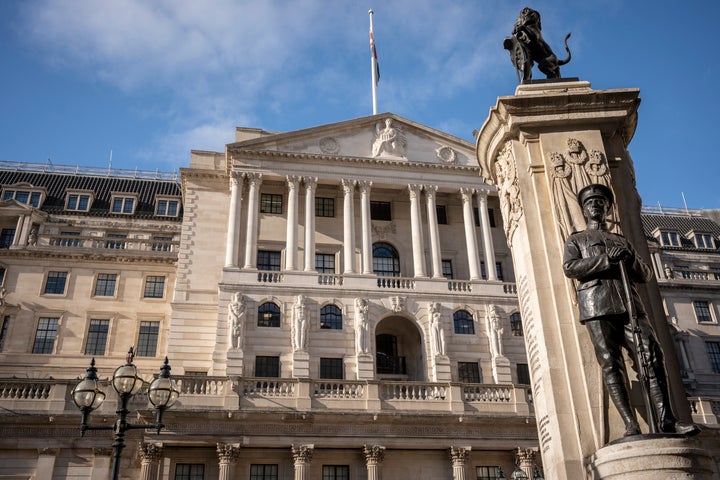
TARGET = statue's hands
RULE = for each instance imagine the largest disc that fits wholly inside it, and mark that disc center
(617, 254)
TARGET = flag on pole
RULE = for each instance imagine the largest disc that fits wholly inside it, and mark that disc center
(373, 65)
(376, 67)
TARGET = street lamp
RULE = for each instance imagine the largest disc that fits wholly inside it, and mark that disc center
(162, 393)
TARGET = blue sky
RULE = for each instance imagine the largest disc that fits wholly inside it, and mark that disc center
(151, 80)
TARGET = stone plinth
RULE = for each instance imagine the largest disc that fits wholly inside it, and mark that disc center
(442, 368)
(235, 360)
(501, 370)
(301, 364)
(365, 367)
(651, 459)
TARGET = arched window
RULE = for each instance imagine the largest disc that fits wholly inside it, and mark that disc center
(516, 324)
(268, 315)
(386, 261)
(331, 317)
(464, 323)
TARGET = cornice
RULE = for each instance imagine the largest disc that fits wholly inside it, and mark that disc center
(168, 258)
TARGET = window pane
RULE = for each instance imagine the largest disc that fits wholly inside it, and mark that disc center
(7, 235)
(128, 205)
(35, 199)
(386, 261)
(84, 202)
(117, 205)
(380, 211)
(161, 207)
(72, 202)
(189, 471)
(148, 339)
(55, 283)
(269, 315)
(441, 215)
(22, 197)
(469, 372)
(447, 269)
(267, 367)
(702, 311)
(332, 368)
(331, 317)
(268, 260)
(97, 337)
(325, 263)
(172, 208)
(713, 350)
(45, 335)
(105, 286)
(464, 324)
(487, 473)
(154, 286)
(324, 207)
(263, 472)
(523, 374)
(336, 472)
(516, 324)
(270, 203)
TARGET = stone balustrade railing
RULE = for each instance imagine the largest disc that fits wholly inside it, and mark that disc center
(112, 244)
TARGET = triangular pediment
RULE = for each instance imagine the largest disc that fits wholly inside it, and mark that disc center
(382, 137)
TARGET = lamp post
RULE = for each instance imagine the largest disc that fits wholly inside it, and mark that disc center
(162, 393)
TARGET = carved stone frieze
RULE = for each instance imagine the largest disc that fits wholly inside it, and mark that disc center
(382, 231)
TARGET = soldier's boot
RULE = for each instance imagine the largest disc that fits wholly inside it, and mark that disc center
(667, 423)
(619, 395)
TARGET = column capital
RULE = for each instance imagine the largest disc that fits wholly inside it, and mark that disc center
(348, 185)
(302, 453)
(293, 181)
(459, 455)
(150, 452)
(364, 186)
(374, 454)
(310, 183)
(415, 190)
(228, 452)
(482, 194)
(430, 190)
(254, 179)
(236, 177)
(466, 194)
(48, 451)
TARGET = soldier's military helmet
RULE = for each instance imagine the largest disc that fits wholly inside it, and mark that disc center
(595, 190)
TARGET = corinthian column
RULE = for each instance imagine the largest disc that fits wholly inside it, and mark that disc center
(302, 456)
(232, 249)
(459, 456)
(310, 184)
(488, 246)
(254, 181)
(348, 225)
(150, 455)
(228, 454)
(364, 186)
(417, 233)
(374, 455)
(470, 238)
(291, 240)
(430, 192)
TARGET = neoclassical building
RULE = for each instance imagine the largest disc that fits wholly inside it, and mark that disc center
(337, 302)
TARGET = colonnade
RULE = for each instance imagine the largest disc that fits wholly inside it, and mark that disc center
(349, 187)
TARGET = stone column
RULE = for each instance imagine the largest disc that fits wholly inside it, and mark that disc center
(291, 237)
(435, 253)
(417, 231)
(348, 225)
(228, 454)
(487, 241)
(150, 455)
(101, 463)
(526, 460)
(470, 238)
(302, 456)
(540, 147)
(254, 182)
(46, 463)
(19, 230)
(232, 249)
(374, 455)
(367, 265)
(459, 457)
(310, 184)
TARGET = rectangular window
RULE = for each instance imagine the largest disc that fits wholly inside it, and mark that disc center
(97, 337)
(117, 242)
(447, 269)
(703, 240)
(670, 239)
(325, 263)
(154, 286)
(268, 260)
(380, 211)
(148, 339)
(523, 374)
(55, 283)
(487, 473)
(263, 472)
(441, 213)
(4, 330)
(167, 208)
(469, 372)
(499, 271)
(702, 311)
(23, 196)
(476, 216)
(123, 205)
(45, 335)
(7, 235)
(324, 207)
(267, 367)
(491, 217)
(335, 472)
(105, 285)
(332, 368)
(713, 351)
(270, 203)
(77, 202)
(189, 471)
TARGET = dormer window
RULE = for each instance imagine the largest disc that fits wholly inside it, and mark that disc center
(167, 206)
(78, 201)
(29, 197)
(704, 240)
(123, 203)
(670, 239)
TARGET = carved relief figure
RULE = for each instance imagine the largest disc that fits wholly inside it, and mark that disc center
(507, 184)
(299, 325)
(397, 304)
(362, 327)
(569, 213)
(436, 331)
(389, 139)
(236, 320)
(495, 332)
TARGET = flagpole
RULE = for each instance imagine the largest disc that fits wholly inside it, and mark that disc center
(373, 65)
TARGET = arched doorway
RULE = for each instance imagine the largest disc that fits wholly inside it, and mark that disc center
(398, 350)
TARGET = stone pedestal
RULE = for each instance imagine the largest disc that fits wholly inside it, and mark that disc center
(540, 147)
(651, 459)
(235, 361)
(301, 364)
(442, 368)
(365, 367)
(501, 370)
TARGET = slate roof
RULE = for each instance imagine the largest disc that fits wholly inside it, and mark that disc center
(102, 186)
(684, 225)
